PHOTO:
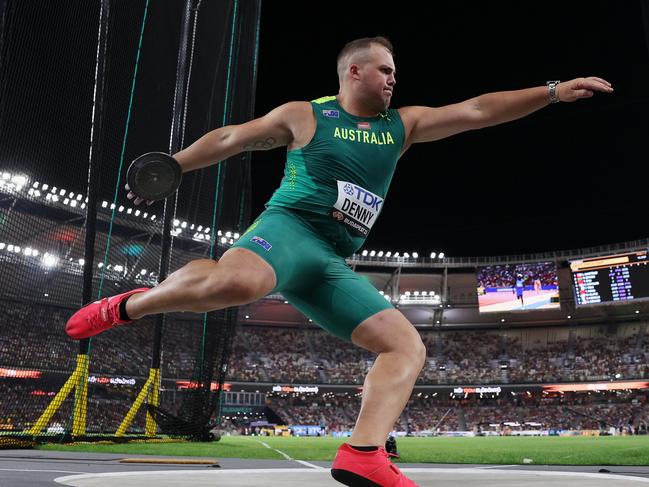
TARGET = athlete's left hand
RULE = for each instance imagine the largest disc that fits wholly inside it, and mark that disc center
(582, 88)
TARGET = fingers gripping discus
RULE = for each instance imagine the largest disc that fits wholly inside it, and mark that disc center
(154, 176)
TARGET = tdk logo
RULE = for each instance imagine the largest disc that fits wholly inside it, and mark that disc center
(368, 199)
(331, 113)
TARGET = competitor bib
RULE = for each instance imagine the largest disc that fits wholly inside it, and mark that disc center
(356, 207)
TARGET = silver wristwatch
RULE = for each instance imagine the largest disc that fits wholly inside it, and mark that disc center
(552, 91)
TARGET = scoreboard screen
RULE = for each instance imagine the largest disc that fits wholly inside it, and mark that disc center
(518, 287)
(611, 278)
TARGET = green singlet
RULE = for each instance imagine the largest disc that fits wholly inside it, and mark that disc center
(330, 197)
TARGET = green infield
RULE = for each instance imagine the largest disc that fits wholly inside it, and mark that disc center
(579, 450)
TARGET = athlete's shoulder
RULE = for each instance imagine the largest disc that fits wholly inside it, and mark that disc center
(292, 111)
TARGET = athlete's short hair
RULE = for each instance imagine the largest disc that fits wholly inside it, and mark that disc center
(357, 50)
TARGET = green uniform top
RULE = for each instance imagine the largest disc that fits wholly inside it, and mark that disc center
(339, 180)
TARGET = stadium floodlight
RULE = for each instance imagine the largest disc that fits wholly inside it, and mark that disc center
(119, 268)
(176, 223)
(55, 198)
(183, 225)
(502, 320)
(35, 185)
(100, 265)
(121, 208)
(231, 241)
(112, 206)
(145, 214)
(207, 229)
(415, 255)
(73, 203)
(142, 272)
(247, 316)
(82, 262)
(152, 217)
(437, 322)
(28, 251)
(380, 254)
(407, 293)
(45, 187)
(386, 297)
(62, 192)
(50, 260)
(433, 255)
(219, 233)
(79, 196)
(35, 252)
(200, 228)
(569, 316)
(10, 248)
(416, 293)
(406, 255)
(364, 253)
(137, 212)
(66, 201)
(236, 236)
(192, 226)
(637, 311)
(228, 234)
(388, 254)
(129, 211)
(17, 249)
(223, 240)
(372, 253)
(441, 255)
(6, 176)
(396, 255)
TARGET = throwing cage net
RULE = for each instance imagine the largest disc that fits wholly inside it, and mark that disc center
(86, 87)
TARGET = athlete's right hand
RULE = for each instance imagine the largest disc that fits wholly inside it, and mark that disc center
(137, 199)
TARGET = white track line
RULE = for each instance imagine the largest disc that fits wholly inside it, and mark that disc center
(274, 471)
(35, 470)
(302, 462)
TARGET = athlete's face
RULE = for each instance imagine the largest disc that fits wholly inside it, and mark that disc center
(377, 77)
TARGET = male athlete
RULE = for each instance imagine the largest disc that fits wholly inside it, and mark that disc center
(341, 154)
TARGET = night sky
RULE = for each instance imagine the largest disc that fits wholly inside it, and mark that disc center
(568, 176)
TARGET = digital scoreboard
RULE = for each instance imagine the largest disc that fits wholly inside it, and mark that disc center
(611, 278)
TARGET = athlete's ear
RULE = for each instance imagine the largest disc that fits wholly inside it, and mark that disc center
(354, 71)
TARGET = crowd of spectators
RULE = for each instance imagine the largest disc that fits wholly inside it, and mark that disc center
(33, 337)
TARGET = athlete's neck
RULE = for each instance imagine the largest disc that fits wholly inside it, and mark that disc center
(354, 107)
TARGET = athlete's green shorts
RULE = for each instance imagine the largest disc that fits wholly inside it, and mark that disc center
(310, 274)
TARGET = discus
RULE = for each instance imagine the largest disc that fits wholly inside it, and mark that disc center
(154, 176)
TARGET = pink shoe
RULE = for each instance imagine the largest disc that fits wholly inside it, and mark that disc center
(99, 316)
(367, 469)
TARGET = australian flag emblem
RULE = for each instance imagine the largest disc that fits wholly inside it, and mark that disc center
(331, 113)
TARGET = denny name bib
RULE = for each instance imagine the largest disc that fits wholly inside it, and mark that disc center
(357, 208)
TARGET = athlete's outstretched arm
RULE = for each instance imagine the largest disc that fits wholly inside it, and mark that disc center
(276, 129)
(425, 124)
